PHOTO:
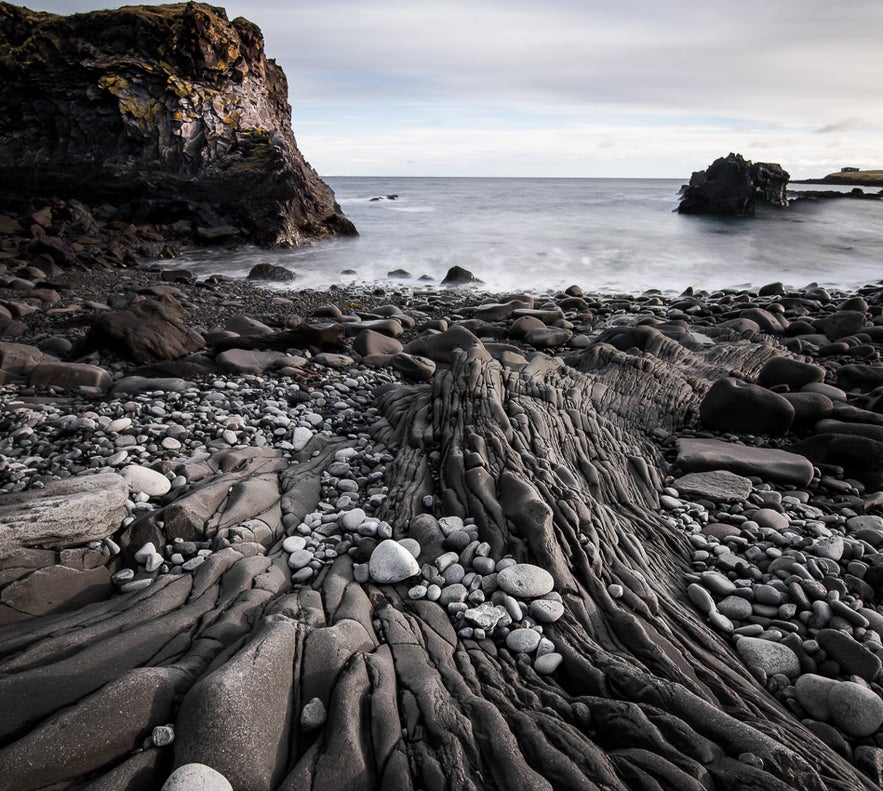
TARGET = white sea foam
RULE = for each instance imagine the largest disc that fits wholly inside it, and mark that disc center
(614, 235)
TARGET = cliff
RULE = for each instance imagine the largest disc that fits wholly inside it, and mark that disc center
(731, 187)
(171, 112)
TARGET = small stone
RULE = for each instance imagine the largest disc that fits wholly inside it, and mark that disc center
(525, 580)
(294, 543)
(548, 663)
(350, 520)
(812, 692)
(163, 735)
(735, 607)
(196, 777)
(546, 610)
(485, 616)
(701, 598)
(412, 545)
(856, 710)
(145, 480)
(522, 641)
(300, 437)
(390, 562)
(299, 559)
(770, 657)
(313, 715)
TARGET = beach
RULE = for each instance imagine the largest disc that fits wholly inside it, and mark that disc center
(466, 521)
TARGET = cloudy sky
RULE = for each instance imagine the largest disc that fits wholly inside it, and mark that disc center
(589, 88)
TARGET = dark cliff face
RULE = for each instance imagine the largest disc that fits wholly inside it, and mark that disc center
(173, 109)
(731, 187)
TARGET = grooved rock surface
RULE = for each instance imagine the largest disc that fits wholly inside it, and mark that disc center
(174, 110)
(558, 616)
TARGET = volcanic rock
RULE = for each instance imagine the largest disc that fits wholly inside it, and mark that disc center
(172, 110)
(731, 187)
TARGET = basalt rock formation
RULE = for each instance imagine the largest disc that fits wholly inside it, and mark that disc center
(731, 187)
(476, 581)
(172, 113)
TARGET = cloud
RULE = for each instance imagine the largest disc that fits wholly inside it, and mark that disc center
(846, 125)
(726, 72)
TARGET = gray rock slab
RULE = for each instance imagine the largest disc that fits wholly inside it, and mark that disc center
(64, 513)
(237, 719)
(770, 464)
(719, 486)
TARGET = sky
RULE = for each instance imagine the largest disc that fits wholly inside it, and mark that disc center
(573, 88)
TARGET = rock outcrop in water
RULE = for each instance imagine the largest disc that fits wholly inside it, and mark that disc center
(173, 114)
(731, 187)
(329, 575)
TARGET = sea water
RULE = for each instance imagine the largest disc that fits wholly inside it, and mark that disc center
(607, 235)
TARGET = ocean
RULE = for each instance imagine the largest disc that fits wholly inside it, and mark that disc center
(606, 235)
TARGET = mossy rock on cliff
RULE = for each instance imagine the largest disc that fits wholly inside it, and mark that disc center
(171, 104)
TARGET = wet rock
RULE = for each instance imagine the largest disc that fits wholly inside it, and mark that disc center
(731, 185)
(272, 272)
(458, 276)
(788, 371)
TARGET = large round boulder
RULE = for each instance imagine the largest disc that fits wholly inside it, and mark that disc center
(788, 371)
(745, 408)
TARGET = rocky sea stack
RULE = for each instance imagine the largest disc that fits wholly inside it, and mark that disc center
(732, 186)
(172, 114)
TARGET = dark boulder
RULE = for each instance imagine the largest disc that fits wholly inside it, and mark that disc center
(841, 324)
(173, 111)
(788, 371)
(733, 405)
(148, 332)
(274, 272)
(859, 457)
(731, 187)
(458, 276)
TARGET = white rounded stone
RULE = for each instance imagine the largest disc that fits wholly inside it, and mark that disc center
(548, 663)
(391, 562)
(300, 437)
(144, 480)
(118, 425)
(546, 610)
(294, 543)
(299, 558)
(196, 777)
(350, 520)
